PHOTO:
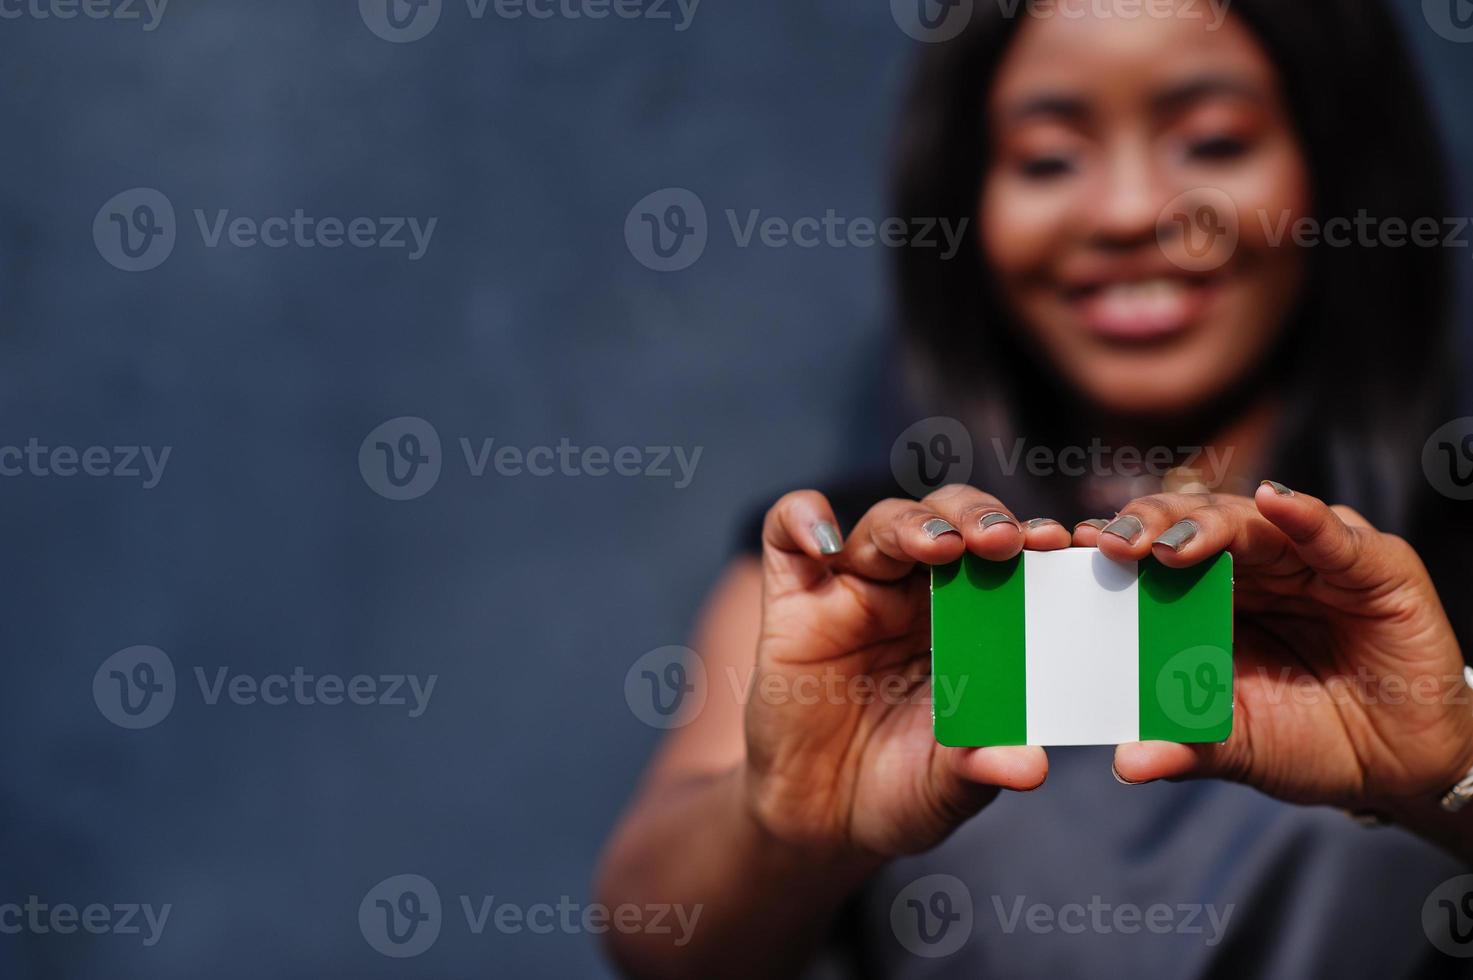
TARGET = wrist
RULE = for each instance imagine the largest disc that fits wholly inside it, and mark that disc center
(789, 847)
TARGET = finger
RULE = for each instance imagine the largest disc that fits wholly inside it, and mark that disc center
(800, 536)
(1220, 524)
(897, 534)
(1347, 555)
(1129, 535)
(989, 529)
(1087, 533)
(1015, 767)
(1045, 534)
(1146, 762)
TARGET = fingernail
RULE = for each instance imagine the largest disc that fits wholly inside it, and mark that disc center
(1178, 535)
(1125, 527)
(1039, 522)
(1279, 488)
(1098, 523)
(827, 536)
(994, 519)
(936, 527)
(1126, 782)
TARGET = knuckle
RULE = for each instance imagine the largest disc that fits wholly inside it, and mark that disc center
(1153, 508)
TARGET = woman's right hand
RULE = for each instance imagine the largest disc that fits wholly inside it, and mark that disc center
(840, 751)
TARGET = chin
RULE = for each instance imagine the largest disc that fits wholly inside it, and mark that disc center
(1149, 388)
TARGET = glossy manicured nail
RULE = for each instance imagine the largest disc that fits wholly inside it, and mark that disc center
(1178, 535)
(1126, 527)
(994, 519)
(827, 536)
(1039, 522)
(1279, 488)
(936, 527)
(1098, 523)
(1126, 782)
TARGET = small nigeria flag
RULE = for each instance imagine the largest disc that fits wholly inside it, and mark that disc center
(1071, 648)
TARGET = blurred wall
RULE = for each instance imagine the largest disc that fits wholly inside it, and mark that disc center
(267, 545)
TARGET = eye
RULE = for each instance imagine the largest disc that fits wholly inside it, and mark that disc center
(1217, 148)
(1046, 168)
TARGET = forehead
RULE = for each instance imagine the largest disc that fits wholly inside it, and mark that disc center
(1125, 49)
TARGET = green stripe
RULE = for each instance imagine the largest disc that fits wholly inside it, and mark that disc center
(1186, 643)
(978, 653)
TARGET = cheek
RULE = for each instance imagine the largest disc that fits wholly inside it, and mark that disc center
(1270, 198)
(1020, 229)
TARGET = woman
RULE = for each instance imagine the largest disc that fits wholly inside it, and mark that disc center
(1132, 282)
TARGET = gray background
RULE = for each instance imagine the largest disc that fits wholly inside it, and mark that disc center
(528, 321)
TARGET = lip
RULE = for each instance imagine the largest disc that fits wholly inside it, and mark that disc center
(1141, 308)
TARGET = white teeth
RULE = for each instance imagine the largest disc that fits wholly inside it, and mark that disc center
(1150, 299)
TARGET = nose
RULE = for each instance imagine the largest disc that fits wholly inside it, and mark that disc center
(1124, 208)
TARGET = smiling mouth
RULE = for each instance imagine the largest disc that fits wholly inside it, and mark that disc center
(1140, 311)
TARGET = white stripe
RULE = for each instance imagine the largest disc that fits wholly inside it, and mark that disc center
(1083, 658)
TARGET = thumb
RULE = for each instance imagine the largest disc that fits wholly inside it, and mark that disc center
(1146, 762)
(966, 780)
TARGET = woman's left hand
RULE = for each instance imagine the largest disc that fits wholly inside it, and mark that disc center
(1348, 687)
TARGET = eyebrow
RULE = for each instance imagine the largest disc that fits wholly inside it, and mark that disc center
(1049, 106)
(1196, 90)
(1075, 109)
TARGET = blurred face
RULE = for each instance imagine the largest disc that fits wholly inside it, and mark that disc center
(1140, 167)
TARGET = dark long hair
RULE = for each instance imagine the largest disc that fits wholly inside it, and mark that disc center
(1365, 364)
